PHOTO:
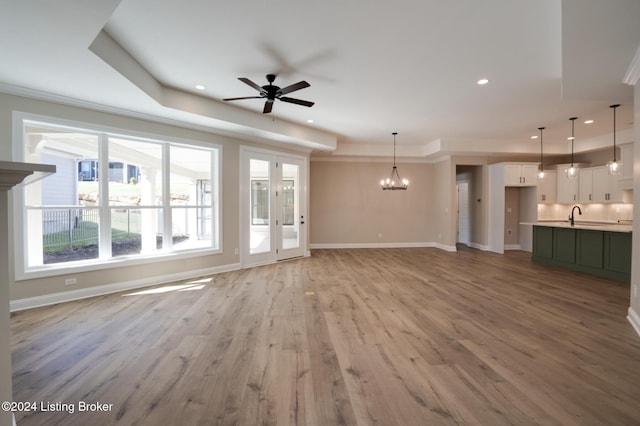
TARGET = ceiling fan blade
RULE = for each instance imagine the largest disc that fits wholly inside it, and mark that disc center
(299, 85)
(244, 97)
(267, 107)
(297, 101)
(252, 84)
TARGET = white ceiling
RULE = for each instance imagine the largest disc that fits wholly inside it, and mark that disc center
(374, 67)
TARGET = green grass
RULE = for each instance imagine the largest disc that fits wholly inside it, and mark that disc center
(87, 233)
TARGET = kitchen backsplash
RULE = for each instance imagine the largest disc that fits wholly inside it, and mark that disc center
(590, 212)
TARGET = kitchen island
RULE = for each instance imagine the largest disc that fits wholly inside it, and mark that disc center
(598, 248)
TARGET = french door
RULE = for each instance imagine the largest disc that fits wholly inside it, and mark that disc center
(273, 204)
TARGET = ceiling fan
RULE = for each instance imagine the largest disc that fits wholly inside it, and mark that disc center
(271, 93)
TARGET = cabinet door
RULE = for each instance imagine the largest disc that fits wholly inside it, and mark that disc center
(625, 180)
(605, 187)
(589, 248)
(543, 242)
(567, 189)
(547, 188)
(564, 249)
(617, 248)
(586, 186)
(512, 175)
(529, 174)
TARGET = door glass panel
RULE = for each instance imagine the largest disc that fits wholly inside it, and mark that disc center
(260, 233)
(290, 207)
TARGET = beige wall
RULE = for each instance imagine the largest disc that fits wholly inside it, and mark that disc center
(348, 206)
(444, 204)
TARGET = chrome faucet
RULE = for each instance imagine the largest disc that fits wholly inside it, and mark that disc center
(573, 222)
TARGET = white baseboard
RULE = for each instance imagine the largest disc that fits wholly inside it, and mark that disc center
(367, 245)
(83, 293)
(479, 246)
(634, 319)
(381, 245)
(445, 247)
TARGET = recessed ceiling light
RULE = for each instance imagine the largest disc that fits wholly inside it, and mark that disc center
(483, 81)
(534, 137)
(310, 120)
(200, 87)
(588, 121)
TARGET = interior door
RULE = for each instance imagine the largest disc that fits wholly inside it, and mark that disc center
(273, 207)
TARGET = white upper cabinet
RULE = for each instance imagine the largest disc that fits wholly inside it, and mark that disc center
(598, 186)
(625, 180)
(605, 187)
(567, 188)
(548, 188)
(521, 174)
(585, 186)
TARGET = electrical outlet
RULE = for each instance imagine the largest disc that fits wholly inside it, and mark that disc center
(235, 251)
(509, 231)
(70, 281)
(380, 236)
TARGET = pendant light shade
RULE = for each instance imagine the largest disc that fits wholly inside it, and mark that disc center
(394, 182)
(572, 172)
(615, 167)
(541, 165)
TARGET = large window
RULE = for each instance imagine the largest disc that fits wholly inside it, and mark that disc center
(116, 196)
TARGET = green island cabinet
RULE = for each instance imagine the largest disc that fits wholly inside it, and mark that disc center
(603, 253)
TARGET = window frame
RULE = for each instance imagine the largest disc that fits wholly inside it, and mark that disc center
(21, 120)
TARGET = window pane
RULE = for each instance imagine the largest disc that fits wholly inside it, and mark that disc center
(260, 235)
(190, 176)
(191, 227)
(135, 173)
(135, 231)
(66, 235)
(75, 156)
(67, 232)
(259, 202)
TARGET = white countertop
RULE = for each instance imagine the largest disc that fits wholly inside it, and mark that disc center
(595, 226)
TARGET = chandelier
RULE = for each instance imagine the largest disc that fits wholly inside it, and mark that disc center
(394, 182)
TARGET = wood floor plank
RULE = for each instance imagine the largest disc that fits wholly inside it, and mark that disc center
(354, 336)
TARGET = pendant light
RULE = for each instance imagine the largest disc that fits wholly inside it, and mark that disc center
(393, 182)
(614, 167)
(572, 172)
(541, 165)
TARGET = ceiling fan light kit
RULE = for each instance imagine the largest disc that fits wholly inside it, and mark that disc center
(271, 92)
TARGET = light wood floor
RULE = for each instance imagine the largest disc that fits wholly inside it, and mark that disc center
(371, 336)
